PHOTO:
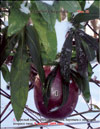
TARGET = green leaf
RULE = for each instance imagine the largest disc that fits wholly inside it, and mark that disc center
(19, 79)
(34, 47)
(84, 17)
(77, 78)
(98, 51)
(46, 36)
(90, 72)
(96, 3)
(95, 106)
(92, 42)
(65, 57)
(56, 5)
(70, 6)
(5, 73)
(48, 83)
(65, 93)
(98, 55)
(82, 3)
(81, 56)
(82, 83)
(85, 88)
(89, 51)
(48, 13)
(17, 20)
(7, 46)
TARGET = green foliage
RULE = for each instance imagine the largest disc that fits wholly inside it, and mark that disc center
(82, 3)
(82, 83)
(93, 13)
(48, 12)
(48, 83)
(5, 73)
(8, 44)
(65, 58)
(89, 51)
(40, 40)
(90, 72)
(70, 6)
(19, 79)
(17, 20)
(33, 44)
(47, 36)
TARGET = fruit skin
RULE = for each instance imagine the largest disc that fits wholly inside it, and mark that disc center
(55, 100)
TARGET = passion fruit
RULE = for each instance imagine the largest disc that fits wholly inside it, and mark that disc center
(54, 110)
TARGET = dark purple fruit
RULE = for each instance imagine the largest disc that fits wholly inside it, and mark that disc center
(53, 110)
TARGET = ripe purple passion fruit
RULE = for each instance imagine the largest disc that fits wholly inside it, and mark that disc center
(52, 110)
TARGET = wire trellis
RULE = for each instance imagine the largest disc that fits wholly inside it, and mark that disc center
(36, 117)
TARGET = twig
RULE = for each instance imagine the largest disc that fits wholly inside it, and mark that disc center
(5, 109)
(97, 82)
(32, 110)
(93, 29)
(6, 116)
(89, 126)
(31, 117)
(5, 92)
(95, 117)
(94, 66)
(84, 112)
(33, 114)
(81, 115)
(31, 86)
(66, 125)
(4, 95)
